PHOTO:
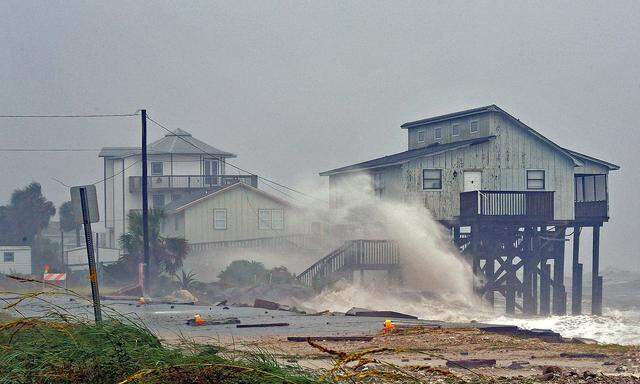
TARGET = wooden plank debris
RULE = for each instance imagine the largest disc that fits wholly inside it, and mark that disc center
(262, 325)
(471, 363)
(299, 339)
(362, 312)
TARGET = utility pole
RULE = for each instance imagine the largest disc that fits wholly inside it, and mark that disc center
(145, 202)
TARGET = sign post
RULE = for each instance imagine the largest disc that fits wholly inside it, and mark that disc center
(85, 207)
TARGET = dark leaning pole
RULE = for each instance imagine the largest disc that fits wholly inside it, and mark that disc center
(145, 203)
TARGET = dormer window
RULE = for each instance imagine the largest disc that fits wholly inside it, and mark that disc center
(474, 126)
(421, 136)
(438, 133)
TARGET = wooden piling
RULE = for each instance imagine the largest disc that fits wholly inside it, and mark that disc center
(576, 280)
(545, 290)
(596, 279)
(559, 293)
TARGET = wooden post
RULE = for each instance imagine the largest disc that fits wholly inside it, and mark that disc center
(596, 280)
(534, 287)
(576, 306)
(527, 297)
(576, 280)
(559, 294)
(475, 252)
(545, 290)
(489, 272)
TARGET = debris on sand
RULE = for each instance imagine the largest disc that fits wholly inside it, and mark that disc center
(585, 355)
(299, 339)
(262, 325)
(224, 321)
(272, 305)
(471, 363)
(371, 313)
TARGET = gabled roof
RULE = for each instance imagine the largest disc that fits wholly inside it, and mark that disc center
(610, 166)
(178, 142)
(399, 158)
(493, 108)
(196, 198)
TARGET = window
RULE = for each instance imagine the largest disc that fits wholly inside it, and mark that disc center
(473, 126)
(219, 219)
(591, 188)
(438, 133)
(158, 201)
(277, 219)
(270, 219)
(455, 130)
(432, 179)
(9, 257)
(421, 136)
(535, 179)
(156, 168)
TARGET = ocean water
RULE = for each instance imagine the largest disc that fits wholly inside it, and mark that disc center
(619, 324)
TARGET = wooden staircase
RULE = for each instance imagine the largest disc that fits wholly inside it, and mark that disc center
(352, 255)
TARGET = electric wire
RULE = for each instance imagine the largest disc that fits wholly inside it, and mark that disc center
(101, 115)
(232, 165)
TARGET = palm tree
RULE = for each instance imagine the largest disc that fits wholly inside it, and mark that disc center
(166, 253)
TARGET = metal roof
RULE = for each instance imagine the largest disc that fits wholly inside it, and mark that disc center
(611, 166)
(399, 158)
(178, 142)
(468, 112)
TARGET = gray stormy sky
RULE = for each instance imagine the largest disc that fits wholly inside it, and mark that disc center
(295, 88)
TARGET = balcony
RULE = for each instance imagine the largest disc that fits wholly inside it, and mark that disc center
(190, 181)
(592, 210)
(592, 197)
(507, 205)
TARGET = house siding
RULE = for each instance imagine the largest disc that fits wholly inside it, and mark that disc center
(484, 122)
(503, 162)
(242, 207)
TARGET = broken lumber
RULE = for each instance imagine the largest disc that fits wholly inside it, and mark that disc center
(299, 339)
(471, 363)
(580, 355)
(266, 304)
(386, 314)
(230, 320)
(262, 325)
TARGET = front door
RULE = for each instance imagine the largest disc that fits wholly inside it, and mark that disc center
(472, 181)
(211, 172)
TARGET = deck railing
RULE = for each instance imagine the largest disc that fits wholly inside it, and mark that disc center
(352, 255)
(190, 181)
(536, 205)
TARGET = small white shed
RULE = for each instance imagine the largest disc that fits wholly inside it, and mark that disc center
(15, 259)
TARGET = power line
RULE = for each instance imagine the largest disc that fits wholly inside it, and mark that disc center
(234, 166)
(70, 116)
(115, 174)
(49, 150)
(102, 179)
